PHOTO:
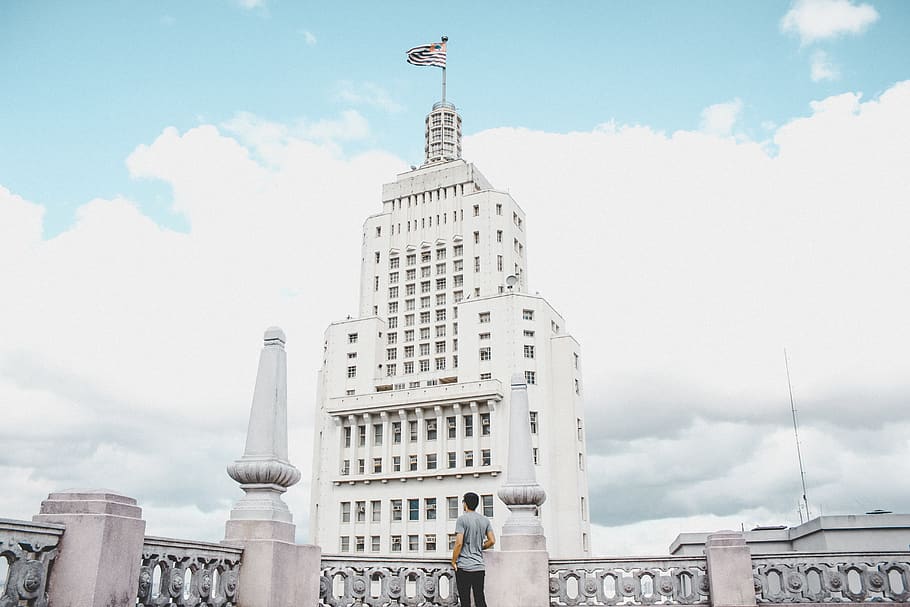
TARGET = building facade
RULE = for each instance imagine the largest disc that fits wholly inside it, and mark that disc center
(413, 395)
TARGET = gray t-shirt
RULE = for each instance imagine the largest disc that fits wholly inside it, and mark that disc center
(474, 526)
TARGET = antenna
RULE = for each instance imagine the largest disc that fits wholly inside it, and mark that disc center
(799, 455)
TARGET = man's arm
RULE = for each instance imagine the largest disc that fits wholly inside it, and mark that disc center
(490, 541)
(456, 551)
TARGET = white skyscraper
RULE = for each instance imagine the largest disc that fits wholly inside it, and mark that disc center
(413, 399)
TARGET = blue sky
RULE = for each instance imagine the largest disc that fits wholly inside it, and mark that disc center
(730, 178)
(84, 83)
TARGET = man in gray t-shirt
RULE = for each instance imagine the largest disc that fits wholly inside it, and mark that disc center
(473, 535)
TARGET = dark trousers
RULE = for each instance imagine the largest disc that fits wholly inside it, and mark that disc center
(468, 582)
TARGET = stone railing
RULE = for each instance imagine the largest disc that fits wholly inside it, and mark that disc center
(832, 577)
(27, 552)
(639, 581)
(379, 581)
(188, 574)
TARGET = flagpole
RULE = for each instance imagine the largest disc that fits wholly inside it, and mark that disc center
(444, 40)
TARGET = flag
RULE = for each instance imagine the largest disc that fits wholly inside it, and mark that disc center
(428, 54)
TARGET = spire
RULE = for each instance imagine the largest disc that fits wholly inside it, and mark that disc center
(443, 134)
(520, 491)
(264, 472)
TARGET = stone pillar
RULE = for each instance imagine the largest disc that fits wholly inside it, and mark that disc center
(518, 575)
(520, 491)
(100, 553)
(275, 572)
(729, 570)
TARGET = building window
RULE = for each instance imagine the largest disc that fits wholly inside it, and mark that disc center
(527, 314)
(579, 428)
(499, 263)
(476, 210)
(577, 387)
(393, 278)
(431, 429)
(440, 268)
(349, 393)
(425, 333)
(393, 322)
(529, 351)
(393, 293)
(352, 338)
(431, 461)
(414, 509)
(441, 364)
(347, 436)
(485, 353)
(412, 463)
(529, 333)
(451, 425)
(361, 466)
(452, 460)
(441, 299)
(396, 463)
(429, 543)
(459, 280)
(393, 262)
(391, 370)
(345, 512)
(359, 546)
(396, 543)
(396, 432)
(457, 250)
(468, 426)
(374, 543)
(531, 377)
(425, 256)
(425, 365)
(581, 461)
(413, 543)
(377, 434)
(361, 436)
(477, 264)
(440, 253)
(484, 317)
(535, 454)
(411, 259)
(486, 457)
(361, 511)
(452, 508)
(344, 544)
(409, 318)
(429, 505)
(468, 459)
(486, 376)
(396, 510)
(498, 209)
(441, 315)
(345, 467)
(376, 511)
(425, 317)
(377, 465)
(485, 424)
(451, 541)
(392, 338)
(409, 366)
(533, 415)
(584, 511)
(440, 284)
(440, 347)
(499, 237)
(488, 506)
(412, 431)
(409, 350)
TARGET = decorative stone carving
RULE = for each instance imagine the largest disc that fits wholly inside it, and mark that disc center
(822, 578)
(669, 581)
(397, 583)
(162, 576)
(29, 549)
(264, 472)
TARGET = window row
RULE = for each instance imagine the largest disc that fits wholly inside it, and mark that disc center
(430, 462)
(417, 509)
(429, 427)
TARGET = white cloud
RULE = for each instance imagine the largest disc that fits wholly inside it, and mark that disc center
(822, 67)
(720, 118)
(367, 93)
(251, 4)
(703, 257)
(348, 126)
(815, 20)
(309, 37)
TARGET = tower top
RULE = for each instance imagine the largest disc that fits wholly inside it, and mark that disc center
(443, 134)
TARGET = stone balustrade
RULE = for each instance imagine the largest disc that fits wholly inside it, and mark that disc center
(27, 551)
(379, 581)
(639, 581)
(828, 577)
(188, 574)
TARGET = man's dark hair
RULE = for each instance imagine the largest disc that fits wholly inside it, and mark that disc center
(471, 499)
